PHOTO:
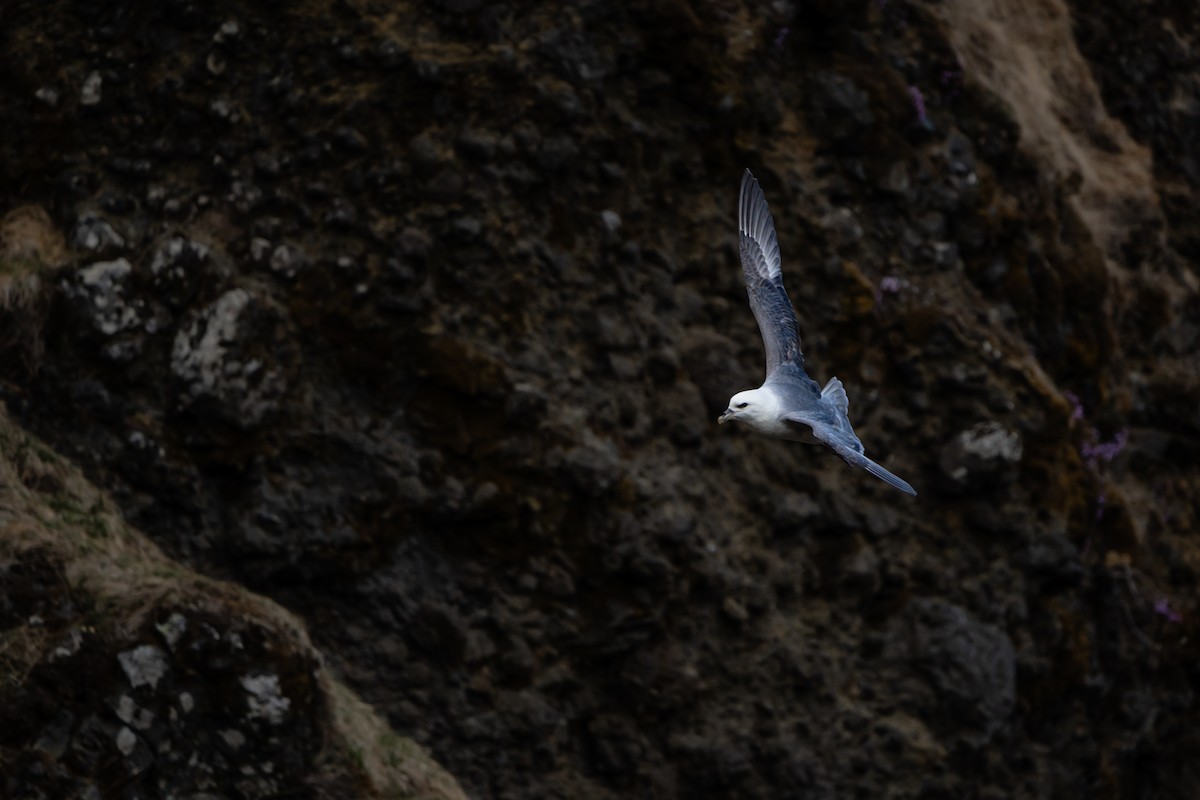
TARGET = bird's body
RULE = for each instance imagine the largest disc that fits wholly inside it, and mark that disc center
(789, 404)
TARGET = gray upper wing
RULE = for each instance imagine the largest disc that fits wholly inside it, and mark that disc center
(759, 251)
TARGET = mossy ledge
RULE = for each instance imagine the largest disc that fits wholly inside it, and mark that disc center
(120, 667)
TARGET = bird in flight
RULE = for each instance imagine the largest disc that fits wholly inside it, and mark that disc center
(789, 404)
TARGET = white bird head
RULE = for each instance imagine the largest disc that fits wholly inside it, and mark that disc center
(751, 406)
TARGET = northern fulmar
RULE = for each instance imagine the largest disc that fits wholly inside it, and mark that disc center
(789, 404)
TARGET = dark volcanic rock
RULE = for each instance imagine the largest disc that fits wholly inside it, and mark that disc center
(970, 667)
(418, 321)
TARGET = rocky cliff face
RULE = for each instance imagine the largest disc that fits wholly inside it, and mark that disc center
(124, 674)
(417, 320)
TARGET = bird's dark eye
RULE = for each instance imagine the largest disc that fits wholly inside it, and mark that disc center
(742, 405)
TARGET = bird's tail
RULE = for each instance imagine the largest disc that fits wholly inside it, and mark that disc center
(835, 393)
(881, 473)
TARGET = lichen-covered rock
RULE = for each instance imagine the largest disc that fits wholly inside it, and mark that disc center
(985, 456)
(215, 357)
(265, 698)
(102, 288)
(143, 665)
(178, 268)
(225, 695)
(97, 234)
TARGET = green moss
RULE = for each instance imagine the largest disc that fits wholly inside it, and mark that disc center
(90, 520)
(396, 749)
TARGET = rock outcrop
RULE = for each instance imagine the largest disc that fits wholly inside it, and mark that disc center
(121, 671)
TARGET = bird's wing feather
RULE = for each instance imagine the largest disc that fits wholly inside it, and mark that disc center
(835, 394)
(881, 473)
(851, 451)
(761, 264)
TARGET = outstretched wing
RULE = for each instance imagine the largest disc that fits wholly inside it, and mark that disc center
(764, 277)
(851, 451)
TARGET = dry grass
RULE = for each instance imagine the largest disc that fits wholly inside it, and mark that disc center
(50, 513)
(29, 244)
(27, 234)
(397, 767)
(20, 650)
(1024, 51)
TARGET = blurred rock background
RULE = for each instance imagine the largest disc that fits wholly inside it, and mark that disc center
(416, 319)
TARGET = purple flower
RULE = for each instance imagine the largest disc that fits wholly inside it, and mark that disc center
(918, 101)
(888, 284)
(1076, 406)
(1101, 499)
(781, 37)
(1162, 607)
(1096, 451)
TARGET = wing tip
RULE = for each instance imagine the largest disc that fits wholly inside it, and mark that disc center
(888, 478)
(744, 206)
(754, 212)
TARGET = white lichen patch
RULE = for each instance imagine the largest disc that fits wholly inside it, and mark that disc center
(126, 740)
(992, 441)
(265, 699)
(171, 630)
(97, 234)
(206, 357)
(90, 94)
(143, 665)
(102, 286)
(132, 714)
(200, 349)
(68, 646)
(287, 260)
(172, 256)
(125, 708)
